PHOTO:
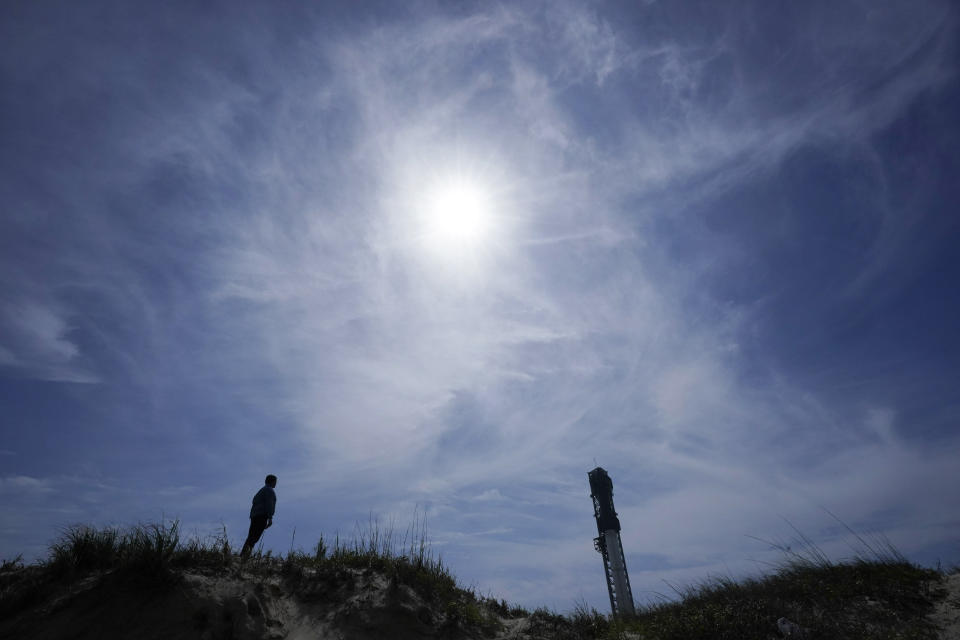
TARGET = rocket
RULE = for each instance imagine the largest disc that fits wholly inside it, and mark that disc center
(609, 545)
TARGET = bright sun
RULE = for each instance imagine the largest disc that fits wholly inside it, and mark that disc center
(457, 215)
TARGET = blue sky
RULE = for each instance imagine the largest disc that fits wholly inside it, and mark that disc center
(716, 255)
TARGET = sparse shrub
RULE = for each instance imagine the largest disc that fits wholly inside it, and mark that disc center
(212, 554)
(587, 622)
(549, 624)
(82, 549)
(407, 560)
(148, 550)
(467, 613)
(878, 595)
(145, 551)
(500, 607)
(859, 600)
(12, 564)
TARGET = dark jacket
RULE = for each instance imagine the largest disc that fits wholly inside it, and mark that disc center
(264, 503)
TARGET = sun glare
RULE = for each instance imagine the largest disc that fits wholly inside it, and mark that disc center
(457, 215)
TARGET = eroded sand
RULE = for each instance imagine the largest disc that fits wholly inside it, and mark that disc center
(946, 615)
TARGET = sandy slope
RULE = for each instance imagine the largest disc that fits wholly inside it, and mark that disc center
(946, 615)
(351, 604)
(355, 605)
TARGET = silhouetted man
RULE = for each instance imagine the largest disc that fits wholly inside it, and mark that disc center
(261, 514)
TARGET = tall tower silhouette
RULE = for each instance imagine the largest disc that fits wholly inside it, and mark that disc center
(609, 545)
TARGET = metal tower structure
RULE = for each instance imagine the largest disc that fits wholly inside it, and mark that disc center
(609, 545)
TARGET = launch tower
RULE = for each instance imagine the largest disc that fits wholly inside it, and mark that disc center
(609, 545)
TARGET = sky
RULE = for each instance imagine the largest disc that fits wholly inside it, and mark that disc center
(441, 259)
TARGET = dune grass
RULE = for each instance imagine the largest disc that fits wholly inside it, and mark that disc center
(406, 559)
(403, 560)
(151, 555)
(876, 595)
(148, 552)
(863, 599)
(157, 555)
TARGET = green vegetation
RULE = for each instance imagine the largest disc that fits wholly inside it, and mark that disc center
(149, 555)
(863, 599)
(156, 556)
(878, 595)
(149, 552)
(406, 561)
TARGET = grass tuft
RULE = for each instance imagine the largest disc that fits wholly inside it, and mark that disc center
(81, 550)
(876, 596)
(863, 599)
(404, 560)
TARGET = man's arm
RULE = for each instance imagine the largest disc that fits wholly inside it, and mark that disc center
(272, 501)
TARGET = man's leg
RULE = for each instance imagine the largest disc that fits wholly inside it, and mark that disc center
(257, 525)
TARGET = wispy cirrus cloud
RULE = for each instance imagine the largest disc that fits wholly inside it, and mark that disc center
(38, 344)
(243, 258)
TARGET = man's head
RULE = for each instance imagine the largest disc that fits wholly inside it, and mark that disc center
(271, 480)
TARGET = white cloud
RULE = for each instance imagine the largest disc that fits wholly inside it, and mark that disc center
(25, 485)
(591, 47)
(39, 344)
(575, 339)
(570, 343)
(490, 495)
